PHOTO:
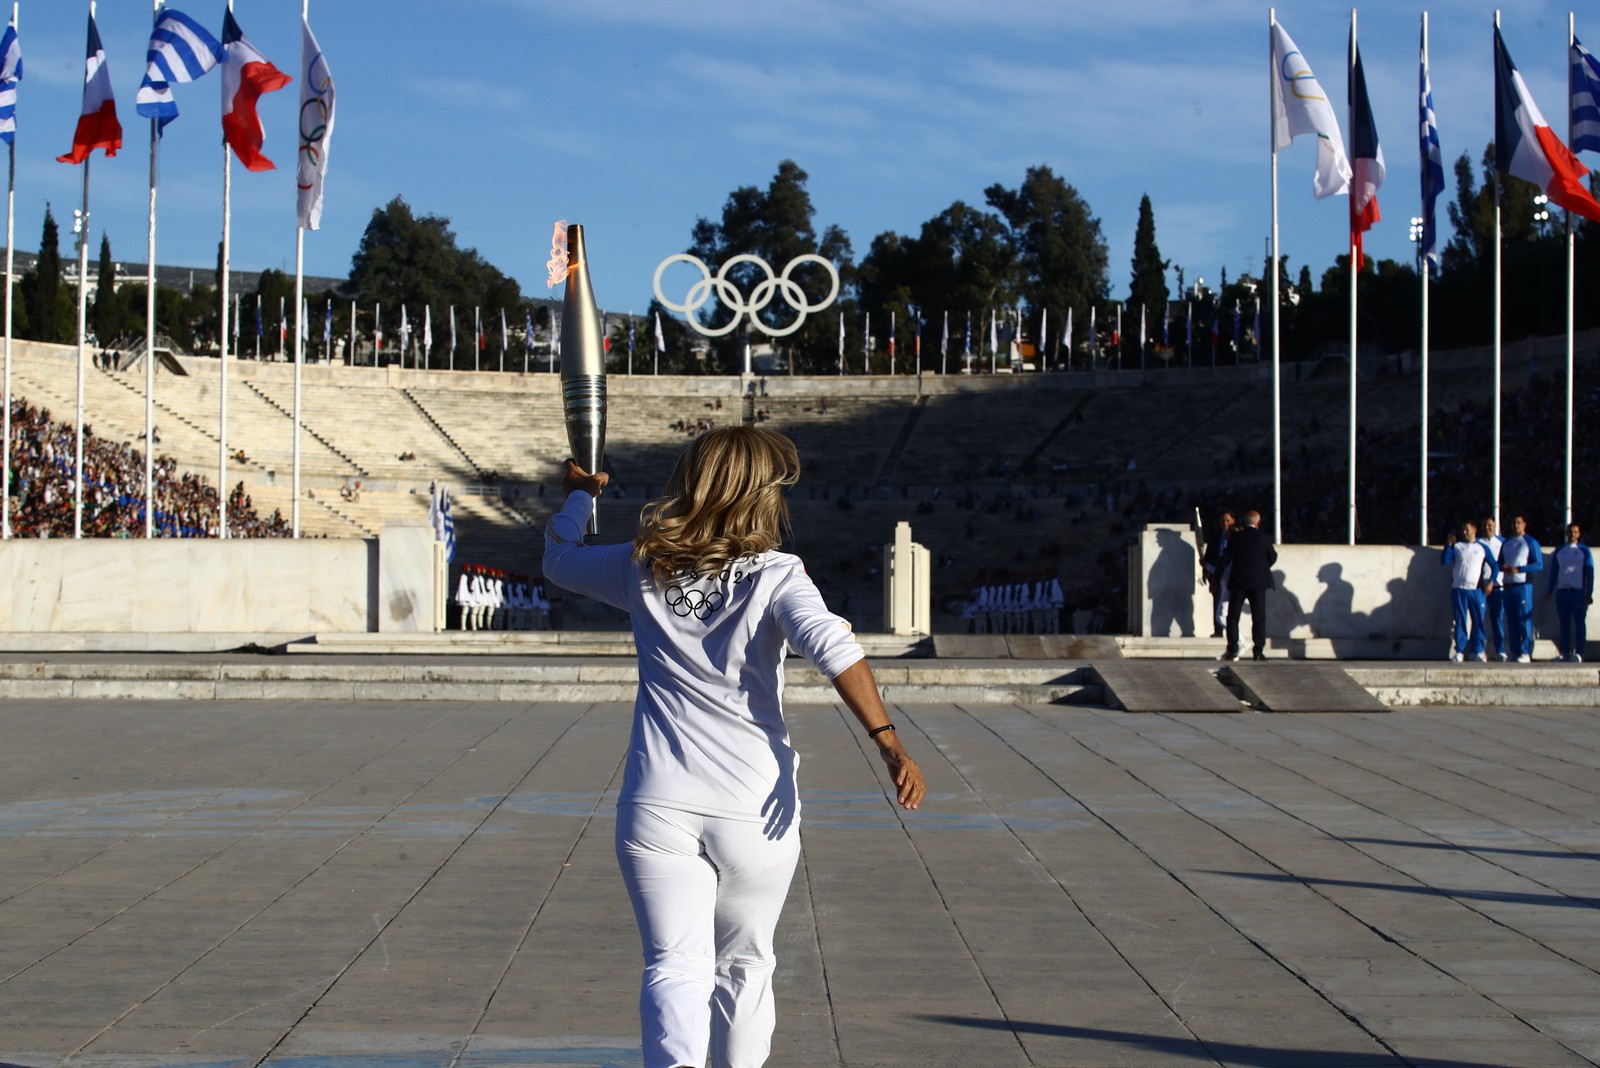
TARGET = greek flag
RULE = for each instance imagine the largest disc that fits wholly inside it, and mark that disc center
(10, 75)
(444, 526)
(1432, 167)
(1585, 98)
(327, 323)
(180, 51)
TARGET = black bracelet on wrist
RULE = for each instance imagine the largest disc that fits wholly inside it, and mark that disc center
(879, 730)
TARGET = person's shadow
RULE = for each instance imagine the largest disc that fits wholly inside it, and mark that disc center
(1284, 612)
(1332, 613)
(1171, 586)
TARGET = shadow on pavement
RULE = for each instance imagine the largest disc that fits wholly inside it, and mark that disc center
(1560, 901)
(1222, 1052)
(1554, 854)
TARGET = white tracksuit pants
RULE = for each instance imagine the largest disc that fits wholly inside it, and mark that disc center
(706, 892)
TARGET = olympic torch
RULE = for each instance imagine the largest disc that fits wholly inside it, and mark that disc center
(583, 363)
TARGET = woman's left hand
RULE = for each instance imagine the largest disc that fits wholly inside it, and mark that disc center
(908, 781)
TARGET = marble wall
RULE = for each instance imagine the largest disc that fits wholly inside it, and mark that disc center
(188, 586)
(1357, 593)
(407, 581)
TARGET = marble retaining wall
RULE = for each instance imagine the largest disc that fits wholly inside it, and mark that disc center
(188, 586)
(1361, 594)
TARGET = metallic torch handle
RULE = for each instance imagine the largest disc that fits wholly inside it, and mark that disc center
(583, 366)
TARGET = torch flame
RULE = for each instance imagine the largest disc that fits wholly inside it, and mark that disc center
(558, 264)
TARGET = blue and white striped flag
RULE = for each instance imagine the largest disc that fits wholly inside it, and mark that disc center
(327, 323)
(444, 525)
(1432, 166)
(1585, 100)
(10, 75)
(180, 51)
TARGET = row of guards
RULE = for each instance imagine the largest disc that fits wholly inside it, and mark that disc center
(491, 599)
(1032, 607)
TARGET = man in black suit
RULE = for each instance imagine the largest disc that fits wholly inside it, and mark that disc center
(1248, 563)
(1215, 576)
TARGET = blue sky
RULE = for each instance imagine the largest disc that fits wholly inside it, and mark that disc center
(634, 117)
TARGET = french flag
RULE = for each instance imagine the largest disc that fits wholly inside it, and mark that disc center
(246, 74)
(1366, 158)
(97, 124)
(1526, 148)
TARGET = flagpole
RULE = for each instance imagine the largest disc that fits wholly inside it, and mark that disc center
(299, 358)
(11, 244)
(222, 342)
(1422, 264)
(83, 329)
(1495, 425)
(1566, 500)
(1350, 119)
(1277, 383)
(150, 333)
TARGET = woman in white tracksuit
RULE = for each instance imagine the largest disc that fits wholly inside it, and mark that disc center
(708, 818)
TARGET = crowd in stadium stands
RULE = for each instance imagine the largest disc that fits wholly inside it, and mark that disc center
(42, 454)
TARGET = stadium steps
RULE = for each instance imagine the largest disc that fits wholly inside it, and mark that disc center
(307, 430)
(913, 414)
(1194, 436)
(555, 678)
(477, 467)
(1055, 432)
(572, 666)
(118, 418)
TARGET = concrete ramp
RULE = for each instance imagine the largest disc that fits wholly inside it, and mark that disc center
(1026, 647)
(1143, 686)
(1301, 686)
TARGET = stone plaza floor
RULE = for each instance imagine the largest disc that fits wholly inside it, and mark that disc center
(356, 885)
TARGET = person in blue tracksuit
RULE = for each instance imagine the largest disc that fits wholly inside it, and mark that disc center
(1572, 583)
(1472, 571)
(1520, 557)
(1494, 604)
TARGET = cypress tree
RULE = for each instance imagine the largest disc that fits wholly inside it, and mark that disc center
(42, 292)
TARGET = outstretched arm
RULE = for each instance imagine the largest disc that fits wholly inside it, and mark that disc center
(860, 691)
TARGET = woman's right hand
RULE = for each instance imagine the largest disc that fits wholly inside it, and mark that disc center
(576, 478)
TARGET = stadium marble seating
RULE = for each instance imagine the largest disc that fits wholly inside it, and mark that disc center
(881, 443)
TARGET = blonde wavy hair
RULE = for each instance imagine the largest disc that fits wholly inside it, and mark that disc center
(724, 502)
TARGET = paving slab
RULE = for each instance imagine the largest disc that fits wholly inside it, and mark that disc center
(397, 884)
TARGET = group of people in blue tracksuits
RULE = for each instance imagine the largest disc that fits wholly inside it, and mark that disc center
(1492, 585)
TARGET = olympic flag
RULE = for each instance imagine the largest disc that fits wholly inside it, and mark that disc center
(1299, 106)
(316, 126)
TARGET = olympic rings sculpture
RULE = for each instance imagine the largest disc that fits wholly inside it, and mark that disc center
(761, 296)
(687, 602)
